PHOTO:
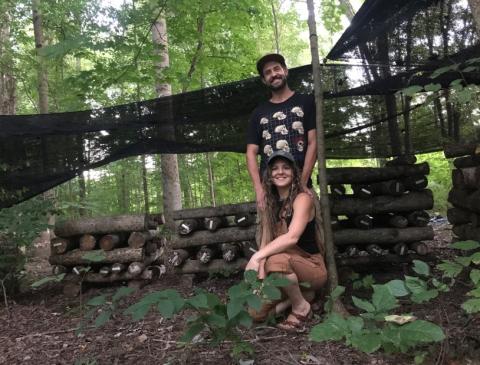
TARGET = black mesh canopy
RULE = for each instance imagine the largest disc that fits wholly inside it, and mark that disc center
(363, 116)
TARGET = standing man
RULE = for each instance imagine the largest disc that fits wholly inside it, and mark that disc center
(285, 122)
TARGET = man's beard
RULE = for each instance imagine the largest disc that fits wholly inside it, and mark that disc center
(279, 86)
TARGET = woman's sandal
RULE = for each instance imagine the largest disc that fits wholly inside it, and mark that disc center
(297, 327)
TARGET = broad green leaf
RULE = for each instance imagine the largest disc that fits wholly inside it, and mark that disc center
(254, 301)
(271, 292)
(474, 293)
(440, 286)
(216, 320)
(397, 288)
(94, 256)
(366, 342)
(465, 245)
(192, 331)
(355, 324)
(415, 285)
(464, 261)
(363, 304)
(48, 279)
(421, 331)
(475, 276)
(199, 301)
(473, 60)
(368, 281)
(382, 299)
(244, 319)
(465, 95)
(412, 90)
(472, 305)
(166, 308)
(421, 268)
(339, 290)
(138, 310)
(122, 292)
(432, 87)
(420, 357)
(250, 276)
(276, 280)
(238, 290)
(234, 307)
(97, 301)
(103, 318)
(450, 269)
(476, 258)
(424, 296)
(334, 327)
(470, 69)
(442, 70)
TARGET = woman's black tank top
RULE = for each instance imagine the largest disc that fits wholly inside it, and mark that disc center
(307, 239)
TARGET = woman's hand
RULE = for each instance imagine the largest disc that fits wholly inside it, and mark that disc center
(253, 264)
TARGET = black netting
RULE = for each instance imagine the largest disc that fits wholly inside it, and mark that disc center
(363, 116)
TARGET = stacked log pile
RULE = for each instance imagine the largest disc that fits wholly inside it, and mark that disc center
(385, 218)
(213, 239)
(465, 194)
(107, 250)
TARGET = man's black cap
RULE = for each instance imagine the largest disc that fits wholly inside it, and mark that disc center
(271, 57)
(280, 154)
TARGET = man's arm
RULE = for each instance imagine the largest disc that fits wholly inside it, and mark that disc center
(254, 172)
(310, 156)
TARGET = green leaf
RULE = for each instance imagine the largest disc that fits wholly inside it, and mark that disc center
(216, 320)
(450, 269)
(424, 296)
(238, 290)
(465, 95)
(250, 276)
(48, 279)
(382, 299)
(421, 331)
(432, 87)
(363, 304)
(122, 292)
(355, 324)
(412, 90)
(415, 285)
(397, 288)
(198, 301)
(334, 327)
(244, 319)
(339, 290)
(94, 256)
(367, 342)
(272, 292)
(474, 293)
(464, 261)
(166, 308)
(442, 70)
(276, 280)
(472, 305)
(465, 245)
(103, 318)
(470, 69)
(234, 307)
(476, 258)
(475, 276)
(254, 301)
(421, 268)
(192, 331)
(420, 357)
(97, 301)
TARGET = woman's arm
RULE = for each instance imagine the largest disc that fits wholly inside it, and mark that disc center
(302, 214)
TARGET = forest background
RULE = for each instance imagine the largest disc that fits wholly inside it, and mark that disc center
(99, 53)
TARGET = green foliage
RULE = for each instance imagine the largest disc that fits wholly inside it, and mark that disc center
(48, 279)
(452, 269)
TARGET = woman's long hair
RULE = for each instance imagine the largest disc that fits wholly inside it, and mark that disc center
(276, 210)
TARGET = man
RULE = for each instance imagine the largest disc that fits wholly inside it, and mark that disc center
(285, 122)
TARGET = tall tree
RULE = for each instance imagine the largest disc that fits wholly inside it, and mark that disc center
(172, 195)
(42, 75)
(7, 80)
(475, 8)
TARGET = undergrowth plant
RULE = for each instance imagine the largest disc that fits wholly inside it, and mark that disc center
(377, 327)
(221, 319)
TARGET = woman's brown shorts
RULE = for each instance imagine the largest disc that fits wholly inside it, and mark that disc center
(308, 268)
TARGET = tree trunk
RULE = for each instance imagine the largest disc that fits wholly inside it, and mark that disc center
(172, 196)
(120, 255)
(145, 185)
(322, 167)
(8, 84)
(275, 27)
(139, 239)
(110, 241)
(60, 245)
(42, 70)
(211, 180)
(87, 242)
(475, 8)
(231, 234)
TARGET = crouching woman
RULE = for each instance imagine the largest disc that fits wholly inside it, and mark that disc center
(289, 246)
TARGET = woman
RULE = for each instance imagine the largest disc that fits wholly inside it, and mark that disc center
(293, 252)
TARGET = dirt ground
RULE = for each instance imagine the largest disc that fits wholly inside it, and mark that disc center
(39, 328)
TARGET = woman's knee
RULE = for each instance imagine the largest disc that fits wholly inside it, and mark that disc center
(278, 263)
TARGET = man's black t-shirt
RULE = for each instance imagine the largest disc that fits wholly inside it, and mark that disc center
(282, 126)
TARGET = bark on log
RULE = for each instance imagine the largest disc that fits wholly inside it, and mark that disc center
(188, 226)
(400, 249)
(465, 199)
(337, 189)
(138, 239)
(457, 179)
(415, 183)
(376, 260)
(59, 245)
(214, 223)
(153, 272)
(229, 251)
(178, 257)
(418, 218)
(135, 268)
(71, 289)
(105, 270)
(365, 175)
(244, 219)
(80, 270)
(457, 150)
(87, 242)
(391, 187)
(230, 234)
(374, 249)
(59, 269)
(93, 277)
(218, 265)
(222, 210)
(382, 236)
(420, 248)
(402, 160)
(351, 251)
(105, 225)
(467, 232)
(466, 178)
(335, 223)
(391, 220)
(362, 191)
(474, 220)
(382, 204)
(206, 254)
(110, 241)
(248, 248)
(362, 221)
(466, 162)
(459, 216)
(75, 257)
